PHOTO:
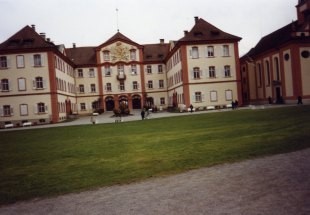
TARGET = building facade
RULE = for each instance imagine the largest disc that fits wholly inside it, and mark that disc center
(45, 83)
(277, 69)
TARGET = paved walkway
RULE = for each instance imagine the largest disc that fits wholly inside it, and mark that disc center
(273, 185)
(107, 117)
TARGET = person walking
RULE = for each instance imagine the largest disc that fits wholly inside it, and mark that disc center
(142, 114)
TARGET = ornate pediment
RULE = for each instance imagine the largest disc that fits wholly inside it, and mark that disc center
(119, 52)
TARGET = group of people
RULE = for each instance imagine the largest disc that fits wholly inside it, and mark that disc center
(234, 104)
(145, 113)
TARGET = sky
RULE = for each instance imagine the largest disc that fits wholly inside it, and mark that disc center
(92, 22)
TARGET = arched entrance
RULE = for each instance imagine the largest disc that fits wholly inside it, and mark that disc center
(136, 102)
(109, 103)
(123, 100)
(149, 102)
(68, 107)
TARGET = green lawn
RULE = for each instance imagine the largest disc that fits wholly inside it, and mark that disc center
(53, 161)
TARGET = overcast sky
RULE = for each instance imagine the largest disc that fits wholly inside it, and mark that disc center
(92, 22)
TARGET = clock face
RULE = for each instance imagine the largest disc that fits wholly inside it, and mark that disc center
(119, 52)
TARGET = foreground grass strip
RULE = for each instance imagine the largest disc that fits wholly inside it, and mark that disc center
(53, 161)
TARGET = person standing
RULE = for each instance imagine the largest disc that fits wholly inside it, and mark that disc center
(142, 114)
(299, 100)
(191, 107)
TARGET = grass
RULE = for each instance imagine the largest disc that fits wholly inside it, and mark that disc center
(53, 161)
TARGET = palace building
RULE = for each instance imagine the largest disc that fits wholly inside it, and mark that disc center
(45, 83)
(277, 69)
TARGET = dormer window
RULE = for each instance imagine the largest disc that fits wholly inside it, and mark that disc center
(198, 34)
(160, 56)
(28, 42)
(14, 42)
(215, 32)
(106, 55)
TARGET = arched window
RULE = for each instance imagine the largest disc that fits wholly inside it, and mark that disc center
(268, 72)
(276, 61)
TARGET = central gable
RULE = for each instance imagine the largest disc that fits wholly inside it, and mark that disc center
(119, 48)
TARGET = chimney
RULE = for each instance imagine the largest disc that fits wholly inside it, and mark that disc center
(33, 27)
(196, 19)
(162, 41)
(43, 35)
(185, 33)
(74, 45)
(48, 39)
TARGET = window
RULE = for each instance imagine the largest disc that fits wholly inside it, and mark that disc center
(268, 72)
(213, 96)
(225, 50)
(23, 109)
(41, 108)
(21, 84)
(196, 73)
(195, 52)
(7, 110)
(150, 84)
(122, 86)
(83, 106)
(81, 88)
(276, 60)
(38, 83)
(106, 55)
(120, 69)
(210, 51)
(198, 97)
(108, 87)
(212, 71)
(134, 85)
(227, 71)
(91, 73)
(149, 69)
(162, 101)
(107, 70)
(37, 60)
(132, 54)
(20, 61)
(133, 69)
(228, 95)
(160, 68)
(5, 85)
(259, 84)
(80, 73)
(161, 84)
(93, 88)
(3, 62)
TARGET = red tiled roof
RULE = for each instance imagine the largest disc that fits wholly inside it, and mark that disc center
(155, 52)
(277, 39)
(26, 38)
(82, 55)
(204, 31)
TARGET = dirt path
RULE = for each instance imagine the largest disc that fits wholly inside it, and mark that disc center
(278, 184)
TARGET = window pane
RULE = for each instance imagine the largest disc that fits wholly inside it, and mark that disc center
(21, 84)
(23, 109)
(20, 61)
(228, 95)
(213, 96)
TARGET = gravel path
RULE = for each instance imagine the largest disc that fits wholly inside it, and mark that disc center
(278, 184)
